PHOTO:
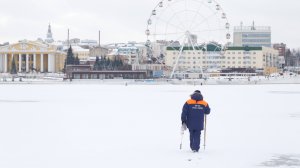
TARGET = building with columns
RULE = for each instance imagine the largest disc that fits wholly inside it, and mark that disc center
(31, 56)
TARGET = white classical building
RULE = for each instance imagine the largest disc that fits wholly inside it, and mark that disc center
(31, 56)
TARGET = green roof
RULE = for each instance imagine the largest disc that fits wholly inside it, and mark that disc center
(210, 47)
(244, 48)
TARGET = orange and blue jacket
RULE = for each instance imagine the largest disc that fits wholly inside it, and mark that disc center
(193, 112)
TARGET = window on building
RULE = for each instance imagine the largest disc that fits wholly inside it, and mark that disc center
(76, 76)
(94, 76)
(85, 76)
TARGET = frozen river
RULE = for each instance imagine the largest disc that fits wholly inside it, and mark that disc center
(93, 126)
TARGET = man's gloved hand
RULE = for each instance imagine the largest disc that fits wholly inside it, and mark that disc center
(183, 126)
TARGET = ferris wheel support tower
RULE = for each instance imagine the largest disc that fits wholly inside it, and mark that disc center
(186, 21)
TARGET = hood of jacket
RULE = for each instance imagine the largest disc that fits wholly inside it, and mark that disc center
(197, 96)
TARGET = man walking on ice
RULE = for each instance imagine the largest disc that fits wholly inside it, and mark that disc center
(192, 117)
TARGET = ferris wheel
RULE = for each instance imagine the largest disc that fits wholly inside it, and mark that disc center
(182, 23)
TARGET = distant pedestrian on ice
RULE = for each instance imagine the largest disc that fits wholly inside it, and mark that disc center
(192, 117)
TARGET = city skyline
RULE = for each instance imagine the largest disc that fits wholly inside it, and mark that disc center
(121, 21)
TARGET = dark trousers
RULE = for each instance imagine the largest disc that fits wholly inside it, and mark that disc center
(195, 139)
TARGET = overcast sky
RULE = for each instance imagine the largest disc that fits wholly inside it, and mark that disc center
(125, 20)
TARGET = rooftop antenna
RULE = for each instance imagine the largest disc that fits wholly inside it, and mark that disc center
(68, 37)
(99, 39)
(241, 25)
(253, 26)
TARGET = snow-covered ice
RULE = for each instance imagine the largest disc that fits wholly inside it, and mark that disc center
(138, 126)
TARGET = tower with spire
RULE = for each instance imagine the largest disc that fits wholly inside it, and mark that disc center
(49, 38)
